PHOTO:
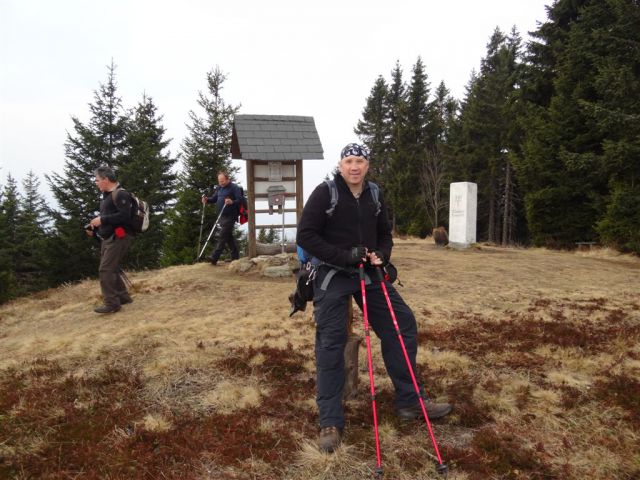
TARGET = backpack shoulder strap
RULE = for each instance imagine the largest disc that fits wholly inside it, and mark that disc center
(375, 194)
(333, 191)
(114, 194)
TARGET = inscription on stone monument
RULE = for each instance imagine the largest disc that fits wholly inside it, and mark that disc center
(463, 203)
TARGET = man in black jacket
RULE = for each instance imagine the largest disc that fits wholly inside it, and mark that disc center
(227, 196)
(113, 226)
(357, 231)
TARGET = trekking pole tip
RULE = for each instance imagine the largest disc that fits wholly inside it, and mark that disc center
(442, 469)
(378, 472)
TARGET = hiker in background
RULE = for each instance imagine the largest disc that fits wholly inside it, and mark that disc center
(113, 226)
(357, 231)
(227, 195)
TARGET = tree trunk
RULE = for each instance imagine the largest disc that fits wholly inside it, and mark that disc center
(491, 233)
(508, 207)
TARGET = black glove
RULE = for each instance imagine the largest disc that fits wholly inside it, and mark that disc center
(356, 255)
(380, 255)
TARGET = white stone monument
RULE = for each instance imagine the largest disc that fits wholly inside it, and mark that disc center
(463, 206)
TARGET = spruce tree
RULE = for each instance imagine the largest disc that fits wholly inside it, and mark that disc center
(413, 144)
(9, 198)
(445, 113)
(396, 105)
(434, 171)
(617, 113)
(100, 141)
(268, 235)
(582, 142)
(32, 239)
(374, 131)
(487, 134)
(205, 152)
(146, 171)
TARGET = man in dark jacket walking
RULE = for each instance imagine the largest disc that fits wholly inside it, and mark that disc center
(357, 231)
(228, 196)
(113, 226)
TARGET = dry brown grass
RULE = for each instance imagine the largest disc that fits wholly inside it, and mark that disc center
(204, 376)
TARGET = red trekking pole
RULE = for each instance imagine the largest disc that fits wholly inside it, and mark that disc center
(441, 468)
(378, 471)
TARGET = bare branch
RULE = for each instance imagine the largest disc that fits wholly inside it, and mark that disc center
(432, 181)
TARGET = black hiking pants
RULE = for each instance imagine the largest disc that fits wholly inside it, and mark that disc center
(226, 238)
(331, 316)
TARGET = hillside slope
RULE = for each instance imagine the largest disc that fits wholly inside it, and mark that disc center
(206, 376)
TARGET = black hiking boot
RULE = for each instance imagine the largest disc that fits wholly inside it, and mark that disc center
(107, 309)
(434, 411)
(329, 439)
(125, 300)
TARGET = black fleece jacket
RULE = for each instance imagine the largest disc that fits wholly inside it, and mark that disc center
(116, 214)
(353, 223)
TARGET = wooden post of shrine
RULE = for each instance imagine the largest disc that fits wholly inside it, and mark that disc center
(351, 359)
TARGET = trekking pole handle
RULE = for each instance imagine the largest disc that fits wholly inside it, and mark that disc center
(361, 270)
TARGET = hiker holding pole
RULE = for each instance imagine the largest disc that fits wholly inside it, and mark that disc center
(227, 198)
(113, 226)
(351, 245)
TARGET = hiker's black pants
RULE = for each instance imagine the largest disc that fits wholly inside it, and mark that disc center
(226, 238)
(112, 252)
(331, 312)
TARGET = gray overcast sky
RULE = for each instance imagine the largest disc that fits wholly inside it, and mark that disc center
(282, 57)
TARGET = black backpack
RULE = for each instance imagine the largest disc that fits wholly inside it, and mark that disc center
(243, 207)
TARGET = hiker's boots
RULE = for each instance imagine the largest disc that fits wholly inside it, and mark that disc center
(434, 411)
(328, 439)
(107, 309)
(126, 300)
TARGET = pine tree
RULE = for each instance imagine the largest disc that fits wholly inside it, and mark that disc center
(98, 142)
(9, 199)
(205, 152)
(31, 236)
(146, 170)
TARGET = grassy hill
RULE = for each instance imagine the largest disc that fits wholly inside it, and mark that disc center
(205, 376)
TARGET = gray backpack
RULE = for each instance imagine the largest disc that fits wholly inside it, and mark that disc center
(139, 212)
